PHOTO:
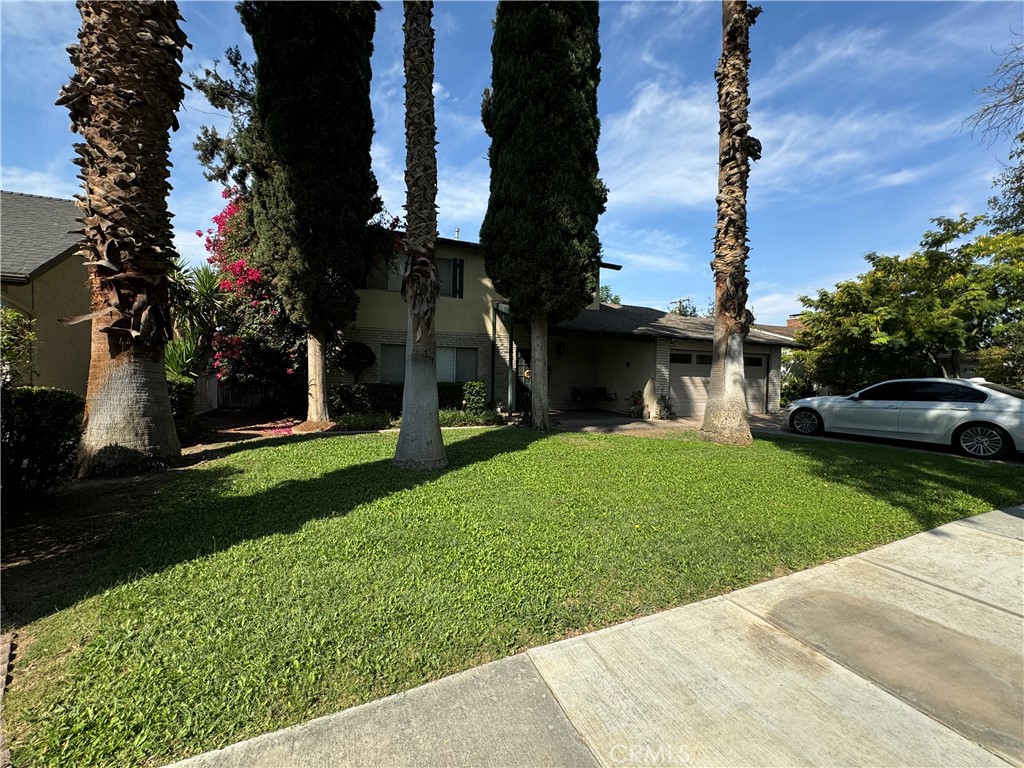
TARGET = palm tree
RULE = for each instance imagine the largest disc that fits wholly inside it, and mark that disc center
(419, 442)
(122, 99)
(725, 417)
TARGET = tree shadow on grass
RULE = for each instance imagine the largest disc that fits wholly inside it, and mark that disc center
(923, 483)
(98, 534)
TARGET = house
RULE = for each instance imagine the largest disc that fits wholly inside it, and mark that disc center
(41, 277)
(595, 360)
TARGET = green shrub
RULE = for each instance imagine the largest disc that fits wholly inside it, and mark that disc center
(353, 357)
(359, 399)
(363, 422)
(16, 339)
(39, 437)
(474, 396)
(795, 388)
(182, 391)
(452, 418)
(449, 395)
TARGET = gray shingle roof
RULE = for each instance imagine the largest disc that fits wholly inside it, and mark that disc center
(34, 231)
(645, 321)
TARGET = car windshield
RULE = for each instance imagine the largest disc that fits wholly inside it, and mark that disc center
(1000, 388)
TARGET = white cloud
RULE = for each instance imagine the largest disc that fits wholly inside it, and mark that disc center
(36, 182)
(35, 37)
(462, 201)
(662, 151)
(656, 250)
(439, 92)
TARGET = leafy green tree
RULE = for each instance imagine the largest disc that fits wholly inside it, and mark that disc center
(605, 295)
(916, 315)
(17, 338)
(725, 415)
(1006, 209)
(122, 100)
(684, 308)
(313, 203)
(539, 235)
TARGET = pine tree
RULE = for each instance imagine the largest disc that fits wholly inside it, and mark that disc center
(539, 235)
(313, 202)
(725, 415)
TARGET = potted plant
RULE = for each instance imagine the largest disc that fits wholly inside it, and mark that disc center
(636, 404)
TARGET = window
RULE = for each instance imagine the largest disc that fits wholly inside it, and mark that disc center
(946, 392)
(456, 363)
(893, 390)
(449, 270)
(703, 359)
(753, 361)
(392, 363)
(453, 363)
(680, 357)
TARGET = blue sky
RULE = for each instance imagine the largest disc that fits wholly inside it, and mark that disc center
(859, 107)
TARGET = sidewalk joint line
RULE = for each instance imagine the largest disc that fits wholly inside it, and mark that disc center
(943, 587)
(561, 706)
(871, 682)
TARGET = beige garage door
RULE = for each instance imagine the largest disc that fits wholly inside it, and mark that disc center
(689, 381)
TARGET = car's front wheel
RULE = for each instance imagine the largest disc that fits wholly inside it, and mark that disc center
(807, 422)
(982, 441)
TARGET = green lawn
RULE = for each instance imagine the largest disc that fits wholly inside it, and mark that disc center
(295, 579)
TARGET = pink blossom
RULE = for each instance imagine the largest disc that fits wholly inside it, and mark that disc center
(291, 370)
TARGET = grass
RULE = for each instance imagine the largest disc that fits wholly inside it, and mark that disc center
(308, 575)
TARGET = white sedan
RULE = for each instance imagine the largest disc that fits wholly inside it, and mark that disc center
(974, 416)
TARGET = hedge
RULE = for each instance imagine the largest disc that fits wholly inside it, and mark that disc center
(182, 391)
(360, 399)
(39, 437)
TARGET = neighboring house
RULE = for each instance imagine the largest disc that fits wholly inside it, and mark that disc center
(595, 360)
(41, 277)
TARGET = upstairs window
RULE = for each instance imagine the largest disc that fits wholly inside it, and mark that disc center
(450, 271)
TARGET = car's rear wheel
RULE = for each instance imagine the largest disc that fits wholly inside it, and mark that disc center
(982, 441)
(807, 422)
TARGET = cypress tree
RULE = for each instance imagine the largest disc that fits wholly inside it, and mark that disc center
(539, 235)
(313, 201)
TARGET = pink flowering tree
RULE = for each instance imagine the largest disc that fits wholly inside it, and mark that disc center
(256, 344)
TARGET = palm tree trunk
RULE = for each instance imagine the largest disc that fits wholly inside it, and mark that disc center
(128, 424)
(725, 416)
(420, 445)
(122, 100)
(316, 366)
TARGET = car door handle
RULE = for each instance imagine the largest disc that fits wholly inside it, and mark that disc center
(890, 407)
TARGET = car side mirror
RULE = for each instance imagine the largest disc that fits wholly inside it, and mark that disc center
(854, 398)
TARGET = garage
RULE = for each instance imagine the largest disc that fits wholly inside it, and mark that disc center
(690, 381)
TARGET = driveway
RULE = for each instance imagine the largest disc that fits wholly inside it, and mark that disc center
(608, 422)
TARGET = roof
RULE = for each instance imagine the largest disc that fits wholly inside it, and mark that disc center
(786, 331)
(35, 231)
(644, 321)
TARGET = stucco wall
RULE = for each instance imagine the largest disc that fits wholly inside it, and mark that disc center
(61, 355)
(386, 310)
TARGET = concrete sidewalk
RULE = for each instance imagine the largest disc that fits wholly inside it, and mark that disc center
(910, 654)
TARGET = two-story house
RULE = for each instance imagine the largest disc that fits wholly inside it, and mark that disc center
(609, 349)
